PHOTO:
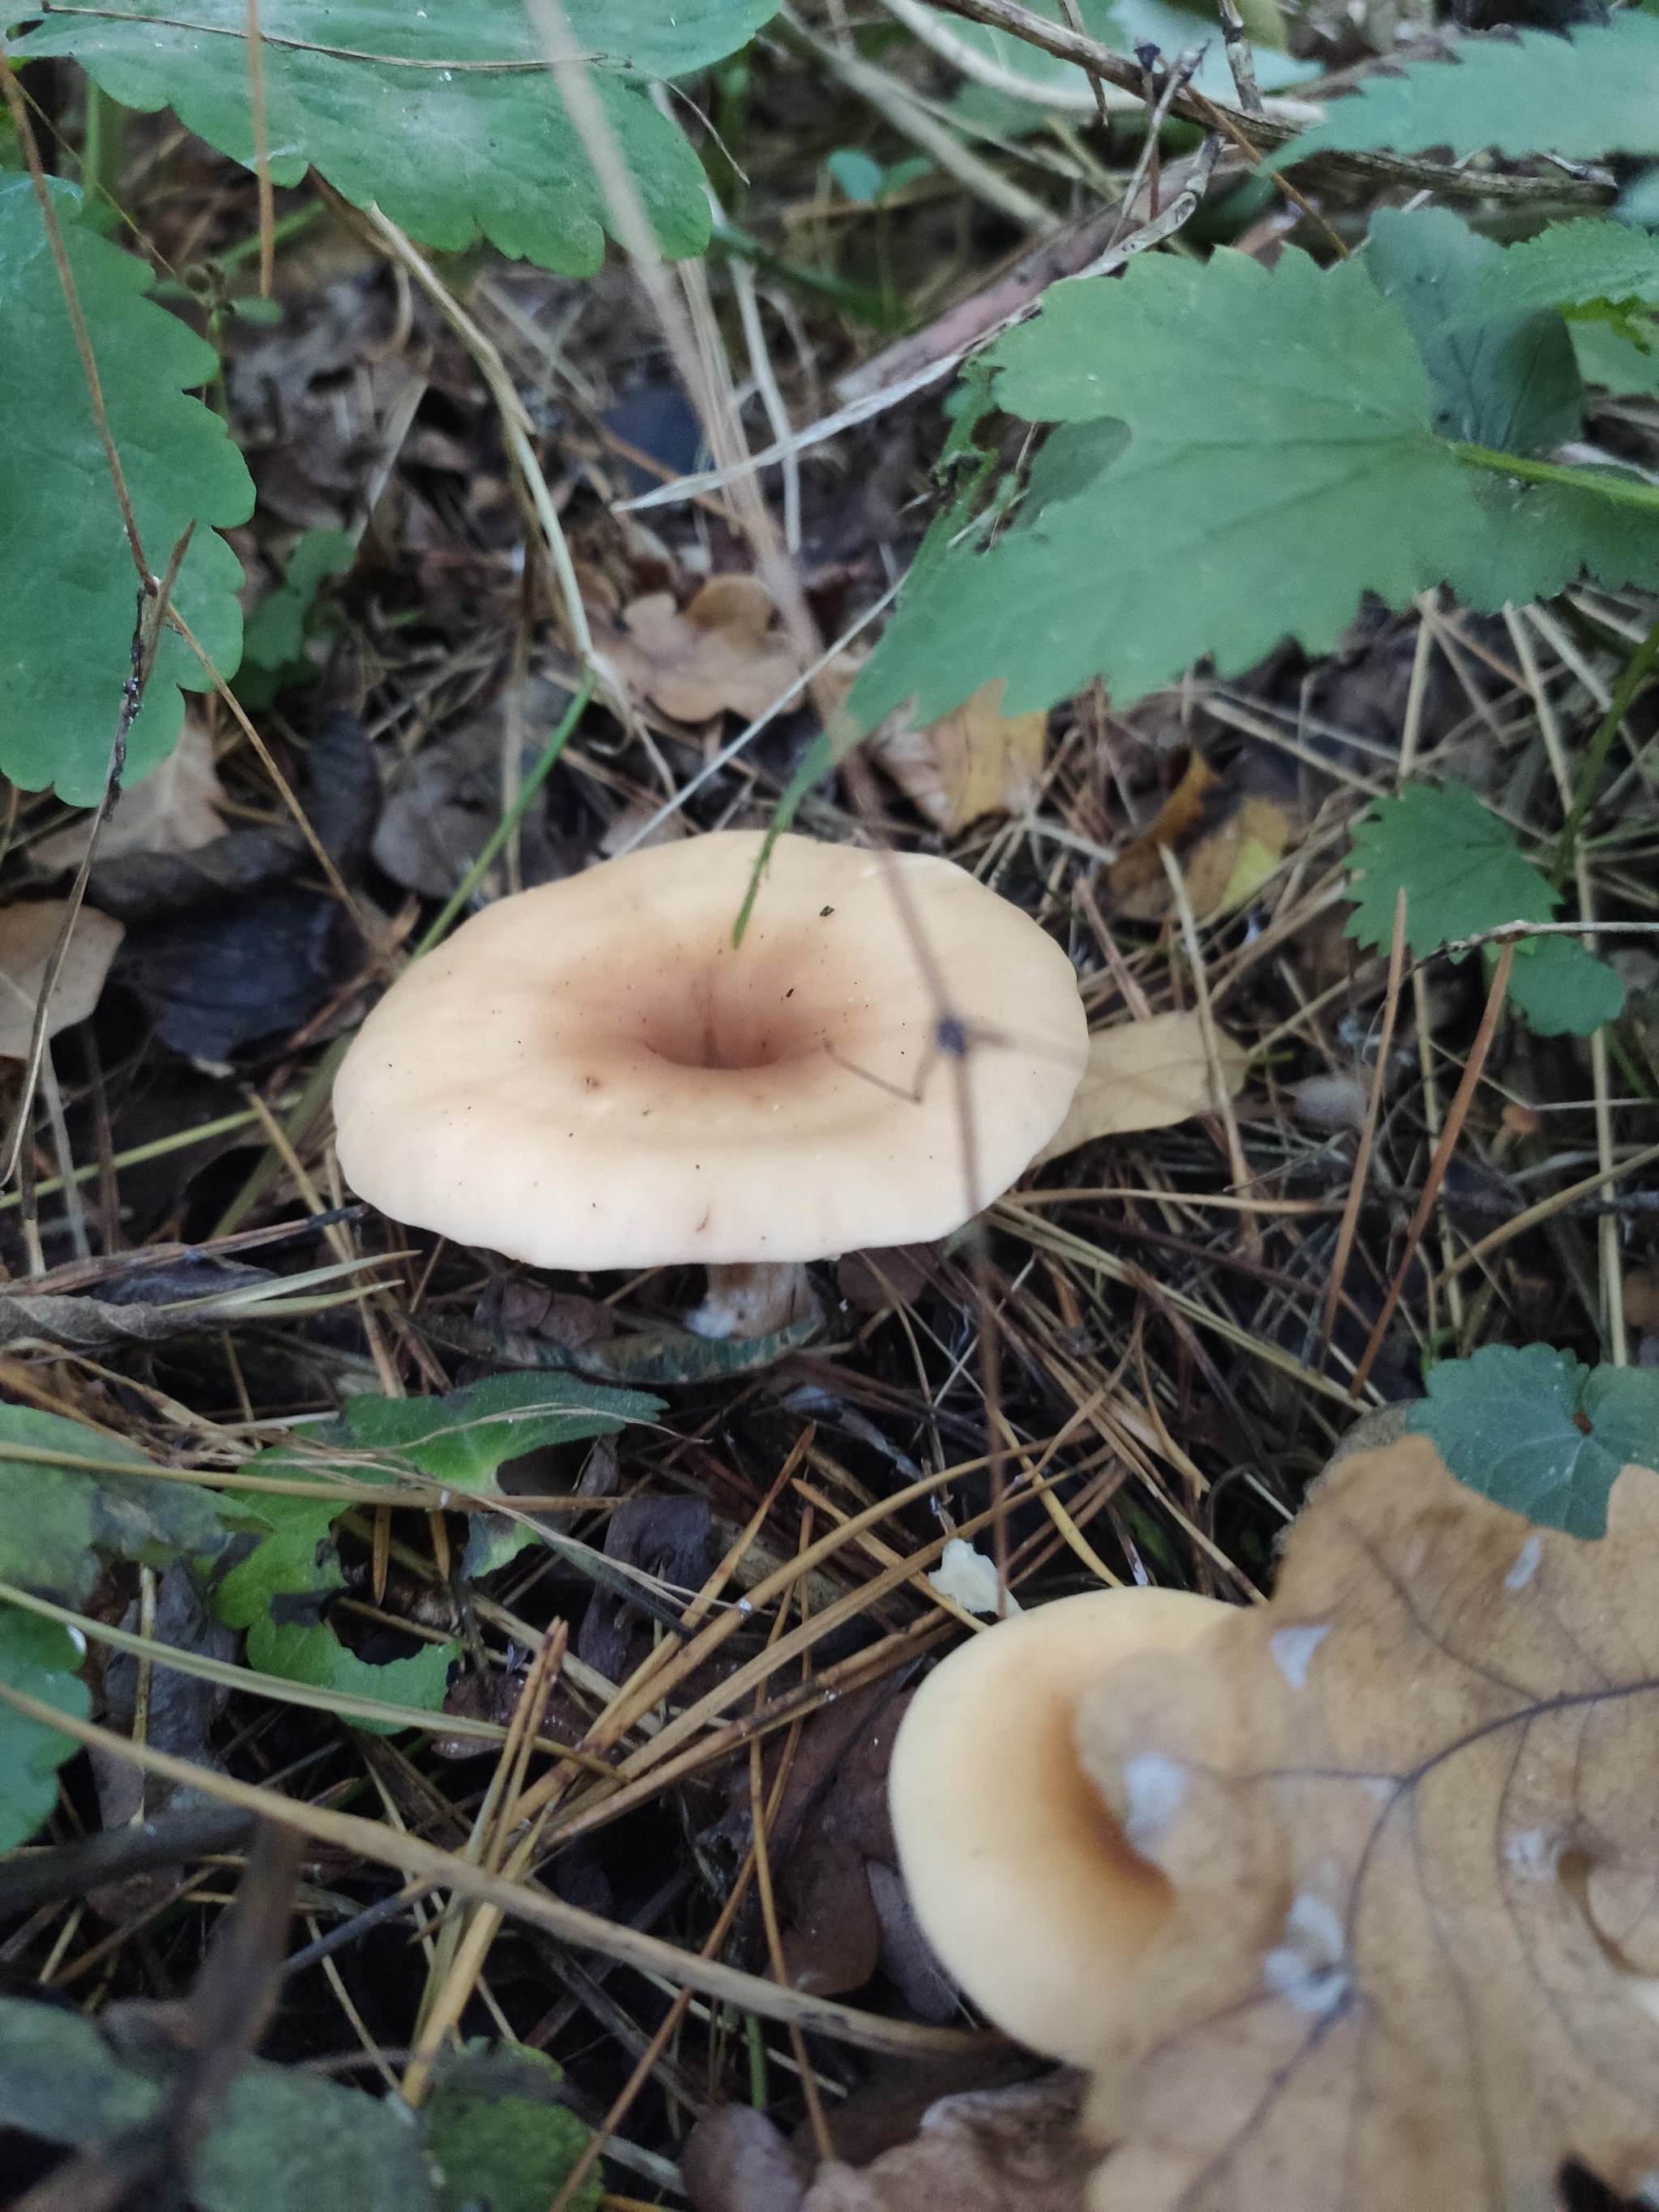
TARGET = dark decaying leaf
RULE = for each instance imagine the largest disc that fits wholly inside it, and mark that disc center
(665, 1538)
(260, 969)
(446, 802)
(141, 886)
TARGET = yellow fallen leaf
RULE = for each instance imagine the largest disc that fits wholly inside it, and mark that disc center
(973, 762)
(1411, 1813)
(1228, 839)
(29, 929)
(1145, 1075)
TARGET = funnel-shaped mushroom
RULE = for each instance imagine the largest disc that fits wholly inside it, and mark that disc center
(1021, 1880)
(592, 1075)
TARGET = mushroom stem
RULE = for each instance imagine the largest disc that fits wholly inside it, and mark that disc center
(752, 1298)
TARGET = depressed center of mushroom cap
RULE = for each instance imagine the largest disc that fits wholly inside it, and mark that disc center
(783, 995)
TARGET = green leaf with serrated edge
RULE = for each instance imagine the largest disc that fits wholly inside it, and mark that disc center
(495, 2133)
(280, 1592)
(1559, 987)
(58, 1524)
(432, 129)
(464, 1438)
(1568, 262)
(1458, 865)
(281, 2140)
(1596, 94)
(1533, 1428)
(68, 588)
(1282, 461)
(1463, 874)
(43, 1660)
(1501, 378)
(1610, 357)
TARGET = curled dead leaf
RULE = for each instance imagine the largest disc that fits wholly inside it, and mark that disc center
(1146, 1075)
(175, 810)
(1228, 834)
(1410, 1810)
(28, 930)
(973, 762)
(725, 650)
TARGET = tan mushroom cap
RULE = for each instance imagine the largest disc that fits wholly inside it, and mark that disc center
(1020, 1878)
(589, 1075)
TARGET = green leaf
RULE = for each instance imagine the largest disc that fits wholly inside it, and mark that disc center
(1283, 460)
(464, 1438)
(287, 2142)
(273, 643)
(1458, 865)
(67, 582)
(1463, 874)
(1567, 265)
(1596, 94)
(57, 1523)
(432, 129)
(282, 2140)
(1535, 1430)
(60, 2081)
(1559, 987)
(41, 1660)
(858, 175)
(280, 1592)
(1503, 377)
(497, 2135)
(1611, 356)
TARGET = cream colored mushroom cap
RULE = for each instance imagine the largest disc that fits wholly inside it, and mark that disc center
(1020, 1878)
(589, 1075)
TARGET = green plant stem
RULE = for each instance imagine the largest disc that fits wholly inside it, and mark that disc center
(1636, 669)
(510, 821)
(103, 146)
(854, 299)
(1601, 483)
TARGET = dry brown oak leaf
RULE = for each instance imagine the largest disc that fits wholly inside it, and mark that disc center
(1411, 1809)
(725, 650)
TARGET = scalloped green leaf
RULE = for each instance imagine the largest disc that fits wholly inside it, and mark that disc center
(1462, 874)
(1596, 93)
(67, 583)
(1567, 264)
(1534, 1429)
(445, 115)
(1284, 459)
